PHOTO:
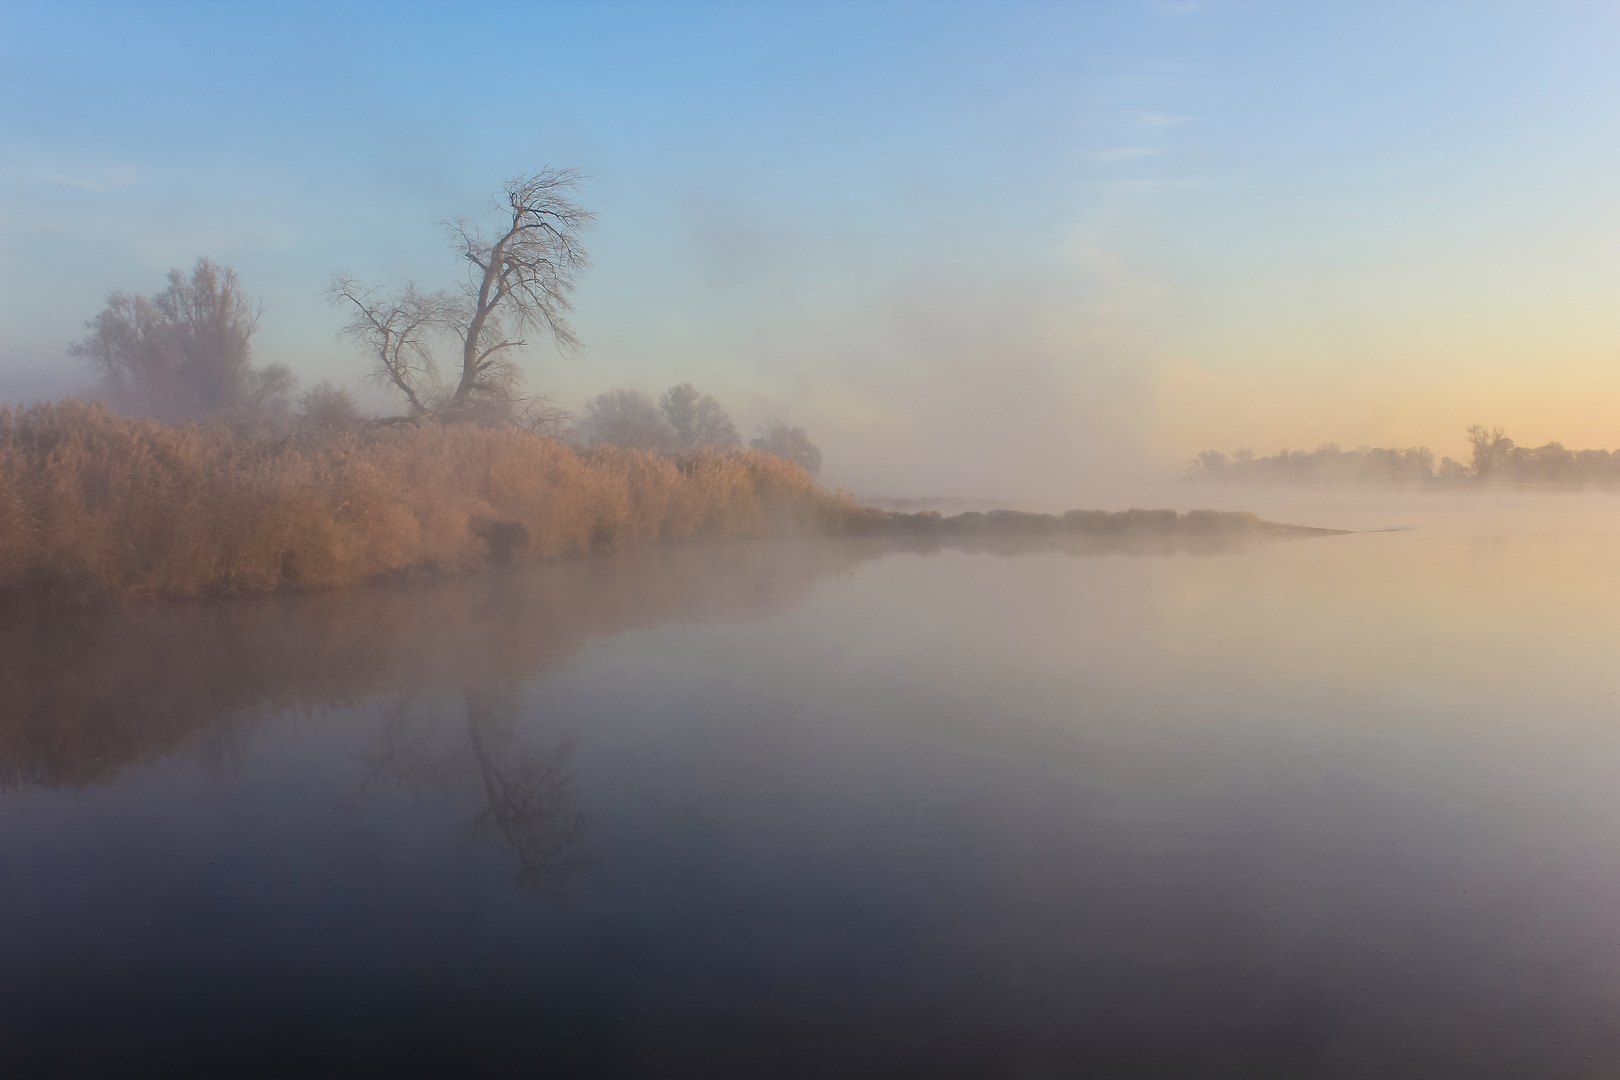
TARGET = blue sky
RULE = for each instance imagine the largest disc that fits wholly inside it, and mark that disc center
(1003, 249)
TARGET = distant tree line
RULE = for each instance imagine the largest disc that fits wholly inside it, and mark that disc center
(685, 419)
(1327, 464)
(1494, 459)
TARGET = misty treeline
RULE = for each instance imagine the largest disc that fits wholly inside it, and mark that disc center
(684, 419)
(450, 356)
(1495, 459)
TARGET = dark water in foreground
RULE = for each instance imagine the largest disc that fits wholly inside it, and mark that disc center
(1344, 807)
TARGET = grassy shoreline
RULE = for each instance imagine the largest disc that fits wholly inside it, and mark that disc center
(95, 506)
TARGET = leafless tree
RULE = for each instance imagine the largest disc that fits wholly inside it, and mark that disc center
(626, 418)
(398, 332)
(789, 442)
(519, 278)
(543, 416)
(185, 353)
(1491, 447)
(697, 419)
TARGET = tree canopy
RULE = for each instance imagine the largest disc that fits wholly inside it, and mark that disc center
(696, 419)
(683, 418)
(186, 354)
(626, 418)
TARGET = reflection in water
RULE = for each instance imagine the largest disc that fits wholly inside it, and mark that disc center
(84, 695)
(1332, 809)
(531, 795)
(529, 791)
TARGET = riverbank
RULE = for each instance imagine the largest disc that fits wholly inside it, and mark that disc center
(95, 506)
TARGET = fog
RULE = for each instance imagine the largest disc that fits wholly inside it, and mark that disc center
(1344, 802)
(1036, 260)
(738, 540)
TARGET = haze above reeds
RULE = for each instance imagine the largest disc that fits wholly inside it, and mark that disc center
(214, 477)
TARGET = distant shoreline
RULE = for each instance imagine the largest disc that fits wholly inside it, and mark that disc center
(1496, 463)
(1089, 523)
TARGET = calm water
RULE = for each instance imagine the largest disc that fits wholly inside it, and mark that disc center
(1345, 807)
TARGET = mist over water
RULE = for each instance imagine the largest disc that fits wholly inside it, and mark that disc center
(816, 540)
(1332, 807)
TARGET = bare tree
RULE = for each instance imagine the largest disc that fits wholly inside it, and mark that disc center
(791, 443)
(697, 419)
(626, 418)
(518, 281)
(185, 353)
(1491, 446)
(397, 331)
(543, 416)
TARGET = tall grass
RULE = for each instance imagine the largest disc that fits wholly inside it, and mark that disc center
(93, 504)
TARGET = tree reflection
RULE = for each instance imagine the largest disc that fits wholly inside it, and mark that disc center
(85, 695)
(530, 792)
(524, 778)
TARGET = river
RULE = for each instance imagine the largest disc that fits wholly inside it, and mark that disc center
(1345, 806)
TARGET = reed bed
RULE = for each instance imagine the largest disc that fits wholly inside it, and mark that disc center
(98, 505)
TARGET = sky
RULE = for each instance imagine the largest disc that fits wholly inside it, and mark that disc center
(1023, 251)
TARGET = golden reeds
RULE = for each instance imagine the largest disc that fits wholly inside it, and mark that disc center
(97, 504)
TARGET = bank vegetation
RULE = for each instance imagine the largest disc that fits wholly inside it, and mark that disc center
(1495, 460)
(95, 504)
(98, 506)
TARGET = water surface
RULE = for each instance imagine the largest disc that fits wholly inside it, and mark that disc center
(1340, 807)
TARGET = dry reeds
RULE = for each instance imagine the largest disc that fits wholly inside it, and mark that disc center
(94, 504)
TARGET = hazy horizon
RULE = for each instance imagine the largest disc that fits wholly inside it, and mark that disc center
(911, 539)
(1033, 253)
